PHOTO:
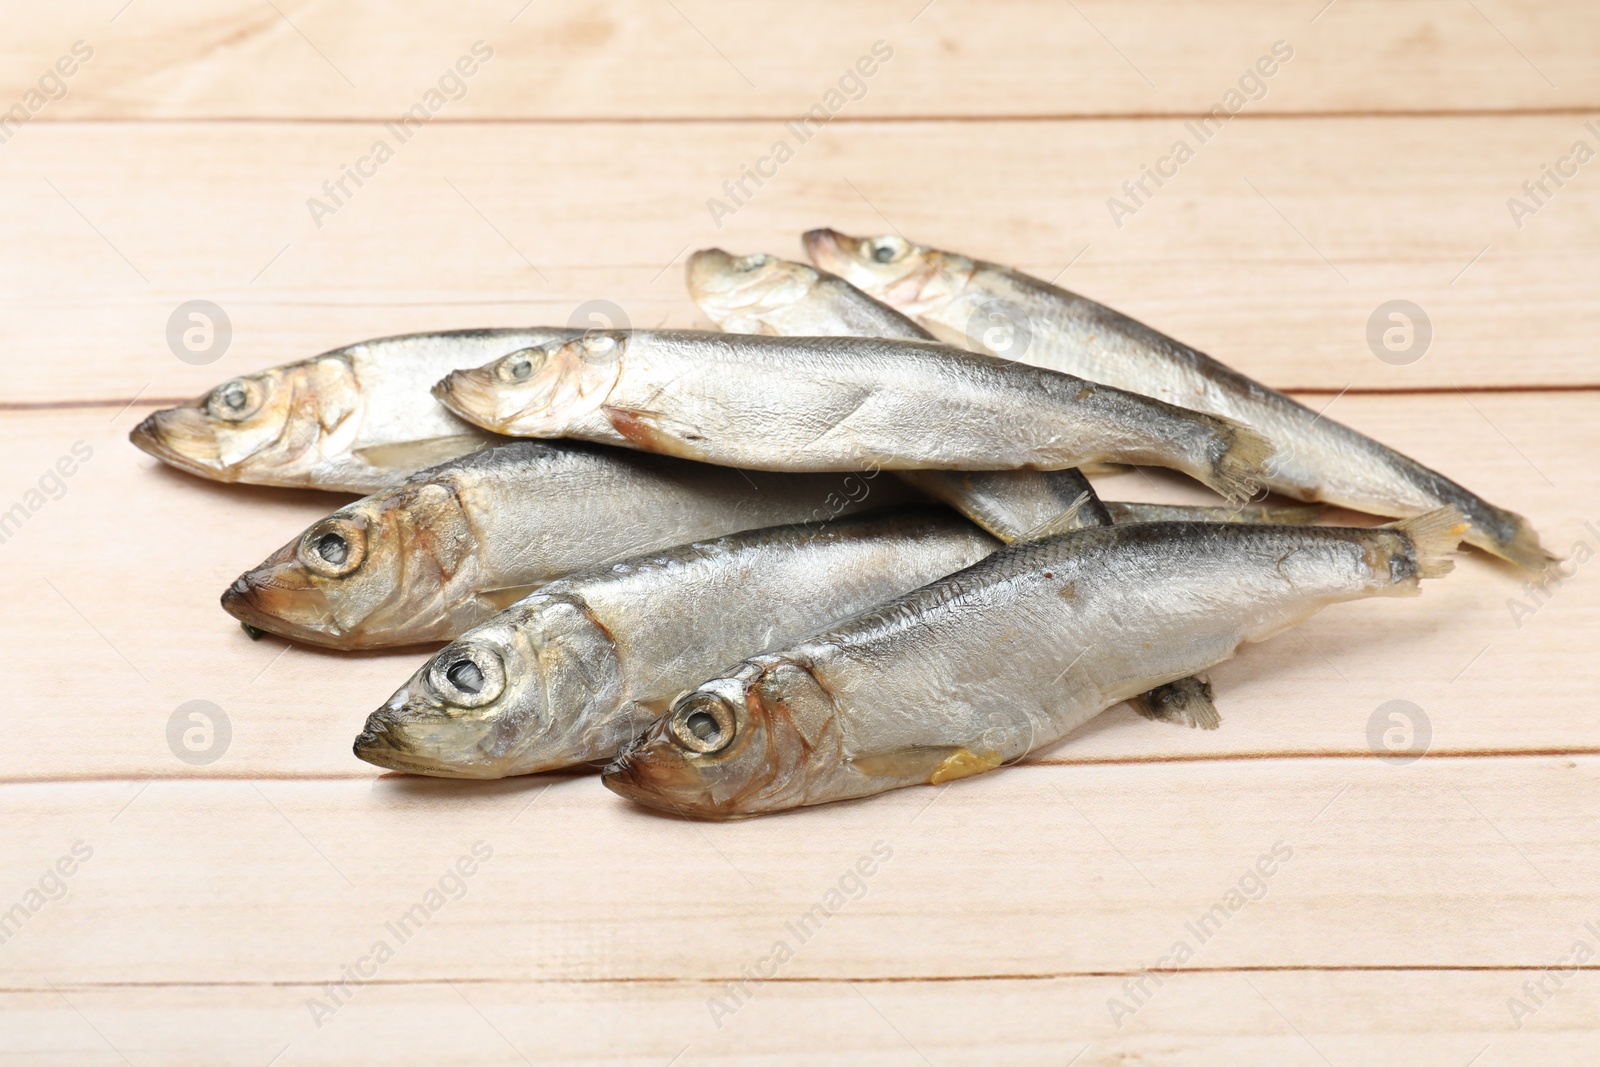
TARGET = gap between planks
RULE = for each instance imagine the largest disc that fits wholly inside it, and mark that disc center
(809, 980)
(553, 776)
(841, 119)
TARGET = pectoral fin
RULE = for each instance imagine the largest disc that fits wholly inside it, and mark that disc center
(651, 430)
(935, 764)
(503, 598)
(1186, 701)
(1066, 521)
(407, 456)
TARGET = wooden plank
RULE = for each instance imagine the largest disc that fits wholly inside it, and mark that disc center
(197, 912)
(1431, 1019)
(1040, 871)
(488, 225)
(120, 578)
(703, 58)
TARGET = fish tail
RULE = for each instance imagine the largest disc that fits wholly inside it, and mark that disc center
(1240, 470)
(1186, 701)
(1523, 547)
(1435, 536)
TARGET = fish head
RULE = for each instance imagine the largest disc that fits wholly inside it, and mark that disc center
(741, 294)
(915, 279)
(534, 689)
(398, 567)
(274, 427)
(752, 741)
(538, 391)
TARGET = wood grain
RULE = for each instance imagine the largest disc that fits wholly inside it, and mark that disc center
(151, 549)
(1426, 1018)
(1271, 259)
(1420, 899)
(633, 59)
(1043, 871)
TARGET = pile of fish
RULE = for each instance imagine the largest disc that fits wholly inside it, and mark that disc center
(840, 547)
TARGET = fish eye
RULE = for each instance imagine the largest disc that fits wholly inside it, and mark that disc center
(234, 400)
(748, 263)
(518, 366)
(886, 249)
(468, 676)
(334, 547)
(703, 723)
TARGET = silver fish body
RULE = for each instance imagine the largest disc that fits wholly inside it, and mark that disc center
(765, 294)
(994, 308)
(355, 419)
(1007, 656)
(446, 549)
(840, 403)
(1276, 514)
(571, 673)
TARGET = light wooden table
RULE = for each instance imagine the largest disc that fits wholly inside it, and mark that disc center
(1414, 904)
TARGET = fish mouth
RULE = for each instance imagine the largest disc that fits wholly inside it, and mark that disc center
(729, 287)
(707, 272)
(628, 778)
(181, 437)
(652, 773)
(829, 249)
(279, 597)
(388, 741)
(473, 395)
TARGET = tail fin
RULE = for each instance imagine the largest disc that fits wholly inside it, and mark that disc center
(1523, 549)
(1435, 535)
(1241, 470)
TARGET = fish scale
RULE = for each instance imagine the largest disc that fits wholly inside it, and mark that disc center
(1007, 656)
(1315, 458)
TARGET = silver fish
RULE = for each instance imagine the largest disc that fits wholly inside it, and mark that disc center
(571, 673)
(1276, 514)
(765, 294)
(1007, 656)
(443, 551)
(768, 295)
(997, 309)
(355, 419)
(839, 403)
